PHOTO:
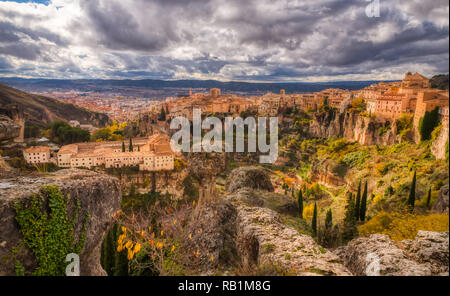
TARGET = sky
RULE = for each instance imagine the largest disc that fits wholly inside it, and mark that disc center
(240, 40)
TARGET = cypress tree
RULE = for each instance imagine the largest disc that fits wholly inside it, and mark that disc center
(120, 258)
(349, 229)
(123, 146)
(412, 194)
(162, 116)
(358, 201)
(329, 220)
(103, 255)
(130, 147)
(300, 203)
(108, 251)
(429, 198)
(314, 220)
(362, 210)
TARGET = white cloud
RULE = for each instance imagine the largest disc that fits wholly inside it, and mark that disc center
(260, 40)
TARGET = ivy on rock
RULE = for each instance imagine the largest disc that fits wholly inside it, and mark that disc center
(48, 231)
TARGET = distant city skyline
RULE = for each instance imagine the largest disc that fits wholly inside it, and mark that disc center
(233, 40)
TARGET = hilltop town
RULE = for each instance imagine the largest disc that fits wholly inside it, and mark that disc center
(349, 158)
(384, 101)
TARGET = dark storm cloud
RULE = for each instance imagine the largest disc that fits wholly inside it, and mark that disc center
(21, 50)
(119, 29)
(233, 39)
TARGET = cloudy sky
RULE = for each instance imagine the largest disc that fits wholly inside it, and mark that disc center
(251, 40)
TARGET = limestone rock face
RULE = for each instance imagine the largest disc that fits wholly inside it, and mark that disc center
(213, 231)
(99, 195)
(431, 249)
(8, 128)
(441, 204)
(248, 177)
(353, 127)
(426, 255)
(264, 239)
(439, 145)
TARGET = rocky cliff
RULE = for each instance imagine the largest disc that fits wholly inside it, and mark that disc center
(263, 239)
(99, 196)
(441, 204)
(8, 128)
(439, 146)
(426, 255)
(353, 127)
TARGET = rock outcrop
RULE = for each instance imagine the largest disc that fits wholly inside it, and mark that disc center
(248, 177)
(426, 255)
(439, 145)
(8, 128)
(431, 249)
(353, 127)
(263, 239)
(441, 204)
(212, 231)
(99, 195)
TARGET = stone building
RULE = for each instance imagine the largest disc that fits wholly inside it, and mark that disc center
(214, 92)
(154, 150)
(38, 154)
(427, 100)
(390, 100)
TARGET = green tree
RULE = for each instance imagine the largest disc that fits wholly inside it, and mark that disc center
(427, 124)
(120, 259)
(412, 194)
(329, 220)
(162, 116)
(130, 147)
(132, 190)
(109, 247)
(363, 206)
(429, 198)
(349, 228)
(300, 203)
(314, 220)
(358, 202)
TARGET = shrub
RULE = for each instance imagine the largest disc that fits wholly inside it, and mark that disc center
(399, 226)
(356, 158)
(404, 122)
(308, 211)
(436, 132)
(358, 104)
(382, 168)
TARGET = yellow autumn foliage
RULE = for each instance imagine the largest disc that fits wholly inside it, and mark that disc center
(289, 181)
(308, 211)
(399, 226)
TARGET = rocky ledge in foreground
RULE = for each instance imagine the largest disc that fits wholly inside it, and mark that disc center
(426, 255)
(99, 197)
(262, 239)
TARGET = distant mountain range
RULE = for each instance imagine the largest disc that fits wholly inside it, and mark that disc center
(164, 88)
